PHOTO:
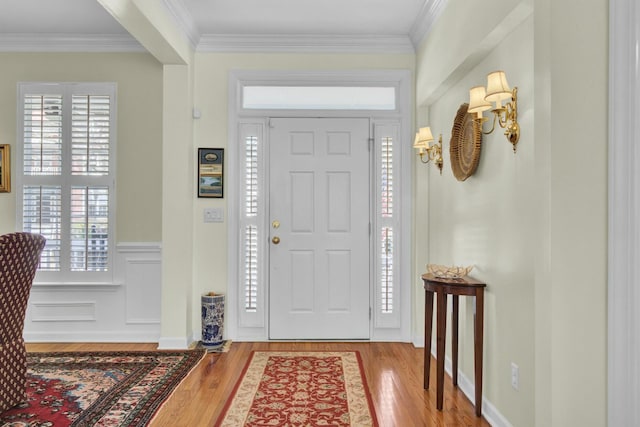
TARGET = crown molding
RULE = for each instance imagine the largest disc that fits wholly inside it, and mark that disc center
(184, 20)
(304, 43)
(425, 20)
(69, 43)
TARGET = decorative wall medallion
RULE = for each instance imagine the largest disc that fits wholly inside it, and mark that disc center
(465, 145)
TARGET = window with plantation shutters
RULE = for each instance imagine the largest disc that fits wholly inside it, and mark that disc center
(388, 225)
(90, 134)
(386, 212)
(251, 220)
(66, 176)
(251, 229)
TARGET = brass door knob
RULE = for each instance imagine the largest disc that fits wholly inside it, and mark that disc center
(275, 240)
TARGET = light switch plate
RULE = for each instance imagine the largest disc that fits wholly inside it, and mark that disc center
(213, 215)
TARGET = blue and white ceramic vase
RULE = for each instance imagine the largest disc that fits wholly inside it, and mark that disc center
(212, 319)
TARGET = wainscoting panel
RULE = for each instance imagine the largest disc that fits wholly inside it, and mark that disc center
(63, 311)
(126, 310)
(142, 292)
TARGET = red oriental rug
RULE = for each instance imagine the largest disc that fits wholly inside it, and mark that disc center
(300, 389)
(99, 388)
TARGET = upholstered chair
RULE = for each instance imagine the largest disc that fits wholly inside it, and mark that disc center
(19, 258)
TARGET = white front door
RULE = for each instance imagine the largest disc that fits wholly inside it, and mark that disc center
(319, 214)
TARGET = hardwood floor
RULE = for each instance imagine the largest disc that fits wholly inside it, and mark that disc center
(393, 371)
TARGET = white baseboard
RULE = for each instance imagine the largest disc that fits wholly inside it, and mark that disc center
(98, 336)
(489, 411)
(418, 341)
(173, 343)
(256, 338)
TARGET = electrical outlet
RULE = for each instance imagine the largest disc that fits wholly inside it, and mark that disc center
(515, 376)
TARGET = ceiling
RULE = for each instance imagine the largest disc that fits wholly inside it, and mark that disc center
(29, 23)
(325, 17)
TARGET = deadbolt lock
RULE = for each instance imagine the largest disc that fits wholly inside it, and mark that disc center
(275, 224)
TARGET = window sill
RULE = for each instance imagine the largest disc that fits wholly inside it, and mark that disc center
(77, 285)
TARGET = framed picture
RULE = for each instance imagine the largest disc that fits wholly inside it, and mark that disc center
(5, 169)
(210, 172)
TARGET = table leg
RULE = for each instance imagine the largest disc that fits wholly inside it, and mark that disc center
(478, 347)
(428, 323)
(440, 352)
(454, 341)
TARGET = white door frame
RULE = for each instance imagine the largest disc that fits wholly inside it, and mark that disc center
(402, 80)
(624, 209)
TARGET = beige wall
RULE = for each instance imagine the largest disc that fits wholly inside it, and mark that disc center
(139, 149)
(572, 273)
(177, 208)
(533, 223)
(483, 222)
(211, 98)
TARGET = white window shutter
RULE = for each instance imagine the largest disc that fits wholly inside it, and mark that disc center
(66, 177)
(387, 284)
(252, 219)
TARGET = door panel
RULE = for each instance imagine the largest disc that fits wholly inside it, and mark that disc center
(319, 211)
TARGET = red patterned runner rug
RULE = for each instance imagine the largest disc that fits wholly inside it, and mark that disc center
(300, 389)
(99, 388)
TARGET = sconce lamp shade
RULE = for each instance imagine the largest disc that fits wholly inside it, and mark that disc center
(477, 103)
(497, 87)
(425, 134)
(506, 116)
(423, 138)
(419, 144)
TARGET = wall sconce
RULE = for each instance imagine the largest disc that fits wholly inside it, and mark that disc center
(507, 116)
(431, 152)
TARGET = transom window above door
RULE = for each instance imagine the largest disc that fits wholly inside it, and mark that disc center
(319, 98)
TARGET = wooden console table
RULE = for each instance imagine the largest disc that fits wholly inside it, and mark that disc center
(455, 287)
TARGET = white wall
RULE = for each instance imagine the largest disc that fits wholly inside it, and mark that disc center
(127, 310)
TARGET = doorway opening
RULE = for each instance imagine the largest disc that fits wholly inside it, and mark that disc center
(275, 288)
(319, 216)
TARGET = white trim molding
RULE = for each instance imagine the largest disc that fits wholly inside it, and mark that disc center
(183, 18)
(173, 343)
(624, 211)
(64, 311)
(305, 43)
(137, 247)
(69, 43)
(424, 22)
